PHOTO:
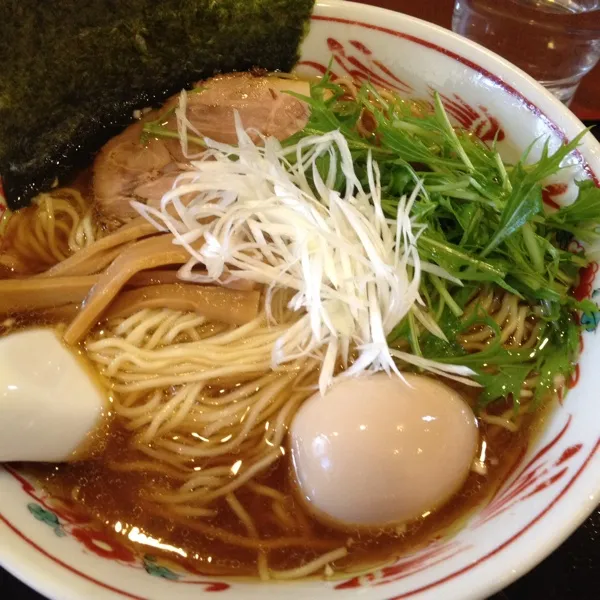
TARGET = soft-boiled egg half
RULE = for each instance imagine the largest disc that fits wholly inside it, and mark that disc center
(49, 403)
(378, 451)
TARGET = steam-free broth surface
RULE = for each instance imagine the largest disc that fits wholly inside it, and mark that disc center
(385, 254)
(119, 501)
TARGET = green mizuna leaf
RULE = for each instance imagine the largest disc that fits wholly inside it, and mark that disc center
(483, 222)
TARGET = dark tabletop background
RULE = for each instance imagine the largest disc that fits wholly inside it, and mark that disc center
(573, 571)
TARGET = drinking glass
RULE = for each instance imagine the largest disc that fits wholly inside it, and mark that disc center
(556, 41)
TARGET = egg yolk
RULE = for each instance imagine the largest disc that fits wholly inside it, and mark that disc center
(379, 451)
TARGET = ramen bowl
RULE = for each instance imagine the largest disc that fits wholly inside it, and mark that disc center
(555, 483)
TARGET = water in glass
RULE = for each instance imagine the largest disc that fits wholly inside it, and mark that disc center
(556, 41)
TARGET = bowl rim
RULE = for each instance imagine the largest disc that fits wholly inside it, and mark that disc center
(52, 582)
(546, 106)
(566, 125)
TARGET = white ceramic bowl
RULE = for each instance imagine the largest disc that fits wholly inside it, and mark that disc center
(556, 484)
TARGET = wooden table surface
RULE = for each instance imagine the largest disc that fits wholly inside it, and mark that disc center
(586, 104)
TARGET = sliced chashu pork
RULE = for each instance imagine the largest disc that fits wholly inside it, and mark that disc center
(128, 169)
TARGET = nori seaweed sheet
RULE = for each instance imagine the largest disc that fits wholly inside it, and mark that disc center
(72, 71)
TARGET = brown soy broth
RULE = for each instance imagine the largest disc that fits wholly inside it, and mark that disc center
(120, 500)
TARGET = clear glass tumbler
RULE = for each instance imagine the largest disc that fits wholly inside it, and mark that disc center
(556, 41)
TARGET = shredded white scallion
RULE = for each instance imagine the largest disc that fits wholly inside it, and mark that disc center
(355, 273)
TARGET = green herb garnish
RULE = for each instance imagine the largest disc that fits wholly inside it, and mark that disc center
(485, 224)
